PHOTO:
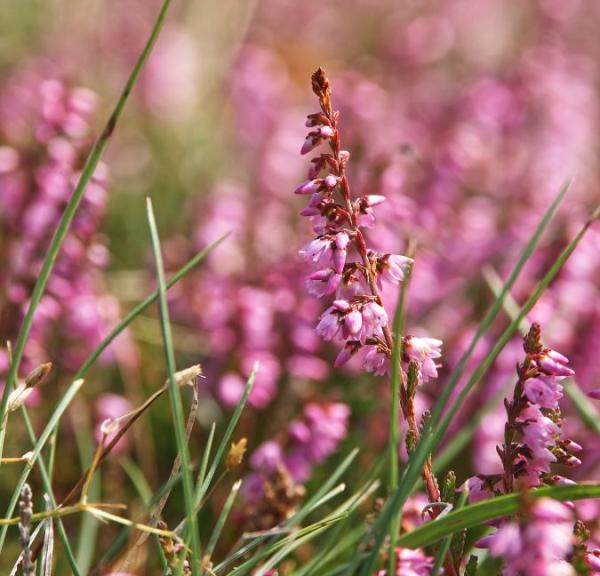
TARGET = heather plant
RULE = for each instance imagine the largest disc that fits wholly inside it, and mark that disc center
(316, 426)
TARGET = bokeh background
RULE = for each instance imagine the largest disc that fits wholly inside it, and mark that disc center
(468, 116)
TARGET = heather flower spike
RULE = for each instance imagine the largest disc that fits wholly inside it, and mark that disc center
(345, 268)
(533, 441)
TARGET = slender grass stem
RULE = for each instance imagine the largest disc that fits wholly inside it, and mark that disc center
(175, 396)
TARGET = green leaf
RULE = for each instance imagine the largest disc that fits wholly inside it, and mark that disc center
(321, 495)
(202, 489)
(214, 537)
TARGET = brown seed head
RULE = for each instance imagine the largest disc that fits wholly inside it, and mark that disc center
(236, 454)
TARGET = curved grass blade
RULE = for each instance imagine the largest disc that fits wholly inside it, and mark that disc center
(305, 510)
(445, 547)
(214, 537)
(205, 457)
(394, 434)
(175, 395)
(302, 535)
(486, 510)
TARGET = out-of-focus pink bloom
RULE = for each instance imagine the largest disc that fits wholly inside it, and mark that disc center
(411, 563)
(310, 441)
(539, 544)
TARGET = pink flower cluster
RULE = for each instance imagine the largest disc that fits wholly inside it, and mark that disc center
(542, 440)
(309, 442)
(534, 439)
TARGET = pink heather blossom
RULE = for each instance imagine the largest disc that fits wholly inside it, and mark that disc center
(424, 351)
(539, 544)
(266, 457)
(374, 318)
(374, 360)
(337, 218)
(327, 250)
(543, 390)
(330, 323)
(478, 490)
(393, 268)
(37, 176)
(539, 435)
(554, 364)
(411, 563)
(323, 282)
(308, 187)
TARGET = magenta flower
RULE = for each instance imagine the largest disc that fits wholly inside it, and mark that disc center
(323, 282)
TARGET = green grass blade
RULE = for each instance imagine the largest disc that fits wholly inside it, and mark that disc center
(214, 537)
(88, 531)
(205, 458)
(144, 305)
(497, 304)
(288, 544)
(69, 213)
(336, 546)
(432, 441)
(486, 510)
(175, 396)
(138, 480)
(587, 412)
(308, 507)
